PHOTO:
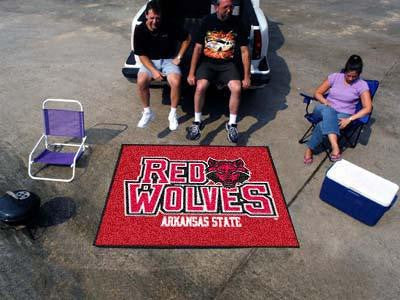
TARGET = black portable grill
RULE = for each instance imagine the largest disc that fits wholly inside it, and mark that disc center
(19, 209)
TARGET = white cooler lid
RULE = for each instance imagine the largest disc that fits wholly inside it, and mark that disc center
(364, 182)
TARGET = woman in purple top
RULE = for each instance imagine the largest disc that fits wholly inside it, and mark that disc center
(338, 109)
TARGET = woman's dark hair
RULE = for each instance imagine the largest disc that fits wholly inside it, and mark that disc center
(354, 63)
(154, 6)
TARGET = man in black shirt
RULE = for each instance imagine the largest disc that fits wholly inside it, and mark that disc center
(221, 37)
(156, 47)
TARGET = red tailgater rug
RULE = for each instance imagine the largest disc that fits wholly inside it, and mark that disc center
(195, 196)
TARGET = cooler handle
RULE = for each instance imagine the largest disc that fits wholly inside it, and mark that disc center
(355, 197)
(354, 193)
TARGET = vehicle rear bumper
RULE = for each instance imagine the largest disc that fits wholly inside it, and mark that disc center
(130, 72)
(260, 74)
(258, 80)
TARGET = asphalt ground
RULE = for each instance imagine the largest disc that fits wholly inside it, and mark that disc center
(75, 49)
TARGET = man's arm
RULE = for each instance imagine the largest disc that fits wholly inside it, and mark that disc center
(145, 60)
(193, 64)
(140, 45)
(246, 66)
(182, 50)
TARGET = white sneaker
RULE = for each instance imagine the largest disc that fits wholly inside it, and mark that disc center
(146, 118)
(173, 122)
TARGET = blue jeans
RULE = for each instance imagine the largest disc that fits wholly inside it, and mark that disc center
(329, 124)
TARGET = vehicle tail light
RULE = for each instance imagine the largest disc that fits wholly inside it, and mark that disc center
(257, 44)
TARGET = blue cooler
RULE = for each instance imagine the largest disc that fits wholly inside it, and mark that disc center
(358, 192)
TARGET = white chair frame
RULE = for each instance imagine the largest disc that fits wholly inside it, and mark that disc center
(81, 147)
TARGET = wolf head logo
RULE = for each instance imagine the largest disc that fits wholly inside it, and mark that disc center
(227, 172)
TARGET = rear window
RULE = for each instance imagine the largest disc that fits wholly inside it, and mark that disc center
(195, 9)
(180, 9)
(175, 11)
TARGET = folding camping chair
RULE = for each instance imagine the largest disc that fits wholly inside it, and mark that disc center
(352, 130)
(58, 123)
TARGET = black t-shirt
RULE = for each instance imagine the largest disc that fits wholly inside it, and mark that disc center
(158, 44)
(221, 40)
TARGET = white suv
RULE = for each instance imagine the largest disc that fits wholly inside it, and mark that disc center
(190, 13)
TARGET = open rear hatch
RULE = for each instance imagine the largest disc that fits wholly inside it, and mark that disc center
(189, 14)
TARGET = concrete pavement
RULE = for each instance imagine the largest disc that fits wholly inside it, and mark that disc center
(75, 49)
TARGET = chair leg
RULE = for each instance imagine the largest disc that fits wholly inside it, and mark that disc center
(354, 144)
(304, 138)
(349, 137)
(50, 178)
(326, 148)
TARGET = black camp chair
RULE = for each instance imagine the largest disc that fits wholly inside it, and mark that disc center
(351, 134)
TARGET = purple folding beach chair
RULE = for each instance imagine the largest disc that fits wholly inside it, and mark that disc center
(65, 123)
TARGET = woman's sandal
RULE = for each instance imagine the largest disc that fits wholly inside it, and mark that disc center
(336, 157)
(308, 161)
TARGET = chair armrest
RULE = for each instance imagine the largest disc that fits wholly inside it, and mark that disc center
(34, 148)
(80, 149)
(307, 99)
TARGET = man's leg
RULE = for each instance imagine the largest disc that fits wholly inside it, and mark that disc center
(174, 81)
(234, 101)
(143, 83)
(174, 75)
(199, 97)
